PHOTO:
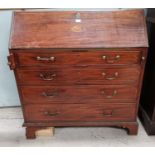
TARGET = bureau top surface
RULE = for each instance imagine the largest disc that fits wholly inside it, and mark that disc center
(78, 29)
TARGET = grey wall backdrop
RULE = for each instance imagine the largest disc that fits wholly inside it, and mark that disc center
(8, 90)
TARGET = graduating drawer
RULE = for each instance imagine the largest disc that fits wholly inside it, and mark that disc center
(74, 57)
(78, 94)
(79, 112)
(88, 75)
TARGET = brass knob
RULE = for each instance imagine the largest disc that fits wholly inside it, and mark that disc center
(47, 76)
(45, 59)
(50, 94)
(51, 113)
(143, 58)
(110, 78)
(116, 58)
(103, 57)
(109, 96)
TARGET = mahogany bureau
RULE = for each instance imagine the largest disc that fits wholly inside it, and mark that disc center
(78, 68)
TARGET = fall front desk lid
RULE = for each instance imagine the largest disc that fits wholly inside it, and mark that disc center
(78, 29)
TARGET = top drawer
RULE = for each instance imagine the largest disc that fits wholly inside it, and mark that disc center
(77, 57)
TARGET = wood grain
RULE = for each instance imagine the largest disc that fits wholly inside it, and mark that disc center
(83, 75)
(98, 29)
(79, 74)
(77, 57)
(79, 94)
(79, 112)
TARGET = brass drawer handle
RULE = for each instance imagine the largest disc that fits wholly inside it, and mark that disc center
(114, 93)
(47, 76)
(47, 113)
(45, 59)
(108, 113)
(47, 94)
(110, 78)
(116, 58)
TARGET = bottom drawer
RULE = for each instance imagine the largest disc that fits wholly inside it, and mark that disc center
(79, 112)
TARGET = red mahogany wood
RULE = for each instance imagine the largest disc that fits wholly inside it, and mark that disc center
(96, 30)
(75, 57)
(79, 94)
(79, 112)
(79, 74)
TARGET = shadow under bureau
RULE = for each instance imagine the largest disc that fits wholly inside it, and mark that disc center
(78, 68)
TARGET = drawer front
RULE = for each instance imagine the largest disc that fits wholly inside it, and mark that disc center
(89, 75)
(74, 58)
(78, 94)
(79, 112)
